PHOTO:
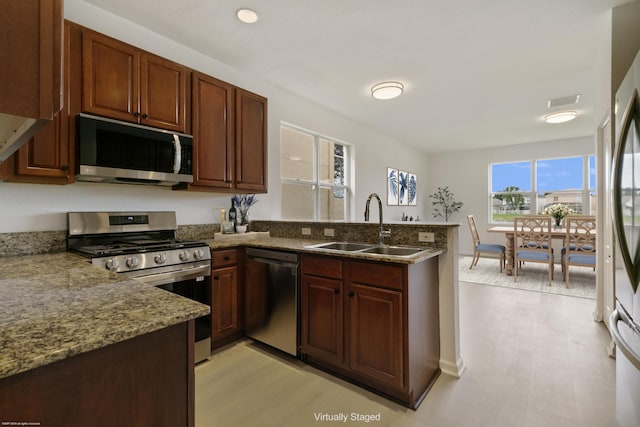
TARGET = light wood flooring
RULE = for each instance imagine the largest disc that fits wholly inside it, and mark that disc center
(532, 360)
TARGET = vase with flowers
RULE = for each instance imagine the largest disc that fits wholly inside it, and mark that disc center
(243, 202)
(558, 211)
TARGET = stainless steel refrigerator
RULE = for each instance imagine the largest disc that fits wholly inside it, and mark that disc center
(625, 320)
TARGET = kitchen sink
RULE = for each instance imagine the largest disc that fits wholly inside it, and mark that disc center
(367, 248)
(344, 246)
(393, 250)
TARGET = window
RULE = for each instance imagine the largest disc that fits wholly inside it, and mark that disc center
(314, 176)
(519, 188)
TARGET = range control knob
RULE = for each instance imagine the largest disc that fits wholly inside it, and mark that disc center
(132, 262)
(112, 264)
(160, 258)
(198, 254)
(184, 256)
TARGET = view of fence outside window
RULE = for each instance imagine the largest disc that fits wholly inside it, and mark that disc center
(314, 176)
(527, 187)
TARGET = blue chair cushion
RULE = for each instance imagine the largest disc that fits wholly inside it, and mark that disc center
(525, 255)
(581, 259)
(486, 247)
(573, 248)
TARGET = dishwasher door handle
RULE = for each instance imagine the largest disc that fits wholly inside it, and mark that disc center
(273, 262)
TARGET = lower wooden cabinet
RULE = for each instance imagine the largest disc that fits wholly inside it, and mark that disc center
(226, 298)
(144, 381)
(374, 323)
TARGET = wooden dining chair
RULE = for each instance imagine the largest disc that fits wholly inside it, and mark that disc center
(532, 242)
(479, 248)
(579, 244)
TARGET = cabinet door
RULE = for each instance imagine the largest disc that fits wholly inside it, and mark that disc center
(110, 77)
(31, 58)
(212, 127)
(46, 155)
(321, 318)
(375, 328)
(163, 93)
(224, 302)
(251, 142)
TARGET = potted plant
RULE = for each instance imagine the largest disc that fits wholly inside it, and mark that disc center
(444, 203)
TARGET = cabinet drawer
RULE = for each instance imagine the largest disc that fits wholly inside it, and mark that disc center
(322, 266)
(371, 273)
(222, 258)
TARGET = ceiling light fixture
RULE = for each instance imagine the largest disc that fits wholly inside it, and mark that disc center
(387, 90)
(248, 16)
(560, 116)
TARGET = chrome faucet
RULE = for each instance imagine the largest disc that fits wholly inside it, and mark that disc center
(382, 233)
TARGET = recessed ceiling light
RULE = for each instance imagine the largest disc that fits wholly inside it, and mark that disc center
(387, 90)
(248, 16)
(560, 116)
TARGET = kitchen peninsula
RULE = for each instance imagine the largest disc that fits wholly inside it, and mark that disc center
(58, 310)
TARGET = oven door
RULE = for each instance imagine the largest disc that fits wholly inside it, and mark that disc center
(193, 282)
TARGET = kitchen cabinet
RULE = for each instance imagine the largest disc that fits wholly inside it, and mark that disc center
(226, 298)
(146, 380)
(48, 156)
(321, 322)
(375, 323)
(31, 72)
(229, 127)
(251, 142)
(122, 82)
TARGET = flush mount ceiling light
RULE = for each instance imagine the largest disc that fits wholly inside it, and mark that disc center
(387, 90)
(248, 16)
(560, 116)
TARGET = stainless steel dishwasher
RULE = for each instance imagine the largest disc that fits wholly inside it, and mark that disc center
(271, 291)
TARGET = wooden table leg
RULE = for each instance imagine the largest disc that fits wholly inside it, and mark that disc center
(510, 244)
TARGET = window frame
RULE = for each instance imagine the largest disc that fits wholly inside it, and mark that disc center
(316, 185)
(533, 195)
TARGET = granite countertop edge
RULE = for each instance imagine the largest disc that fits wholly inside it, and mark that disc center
(55, 306)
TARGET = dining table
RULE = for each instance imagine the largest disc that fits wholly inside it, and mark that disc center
(557, 232)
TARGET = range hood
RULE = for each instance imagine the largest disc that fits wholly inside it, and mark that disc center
(15, 131)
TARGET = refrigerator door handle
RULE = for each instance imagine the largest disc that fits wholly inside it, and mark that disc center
(619, 314)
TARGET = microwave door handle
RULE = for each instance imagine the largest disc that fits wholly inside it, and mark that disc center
(178, 157)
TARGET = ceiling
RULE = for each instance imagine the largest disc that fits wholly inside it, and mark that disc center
(476, 73)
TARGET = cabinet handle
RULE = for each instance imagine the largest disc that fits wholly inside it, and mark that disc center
(64, 168)
(145, 116)
(216, 277)
(136, 114)
(351, 294)
(227, 258)
(336, 291)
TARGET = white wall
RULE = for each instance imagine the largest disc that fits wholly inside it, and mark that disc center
(466, 173)
(31, 207)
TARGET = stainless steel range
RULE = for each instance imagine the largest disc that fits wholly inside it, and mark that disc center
(143, 246)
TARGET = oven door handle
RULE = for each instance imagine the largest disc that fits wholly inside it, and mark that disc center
(188, 273)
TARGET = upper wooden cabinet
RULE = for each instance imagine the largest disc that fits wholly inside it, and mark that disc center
(48, 156)
(123, 82)
(31, 70)
(251, 142)
(213, 132)
(229, 137)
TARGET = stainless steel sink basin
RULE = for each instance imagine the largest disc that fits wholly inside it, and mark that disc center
(367, 248)
(344, 246)
(393, 250)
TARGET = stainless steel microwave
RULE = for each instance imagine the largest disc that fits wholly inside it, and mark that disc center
(114, 151)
